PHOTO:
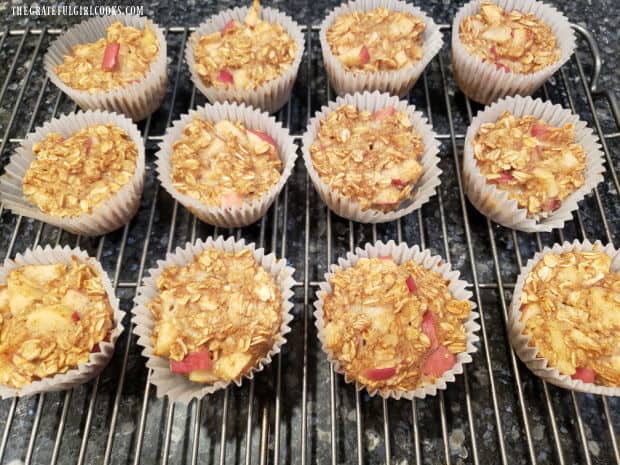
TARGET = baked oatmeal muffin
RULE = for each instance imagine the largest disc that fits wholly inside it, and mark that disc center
(224, 163)
(253, 58)
(527, 163)
(371, 157)
(52, 318)
(504, 48)
(538, 164)
(83, 172)
(72, 176)
(392, 325)
(570, 305)
(377, 45)
(212, 313)
(123, 70)
(123, 57)
(376, 40)
(565, 316)
(513, 41)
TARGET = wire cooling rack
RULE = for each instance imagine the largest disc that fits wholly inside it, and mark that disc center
(298, 411)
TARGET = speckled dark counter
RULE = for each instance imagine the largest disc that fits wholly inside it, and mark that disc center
(460, 425)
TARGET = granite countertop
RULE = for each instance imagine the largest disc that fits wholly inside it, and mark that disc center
(441, 215)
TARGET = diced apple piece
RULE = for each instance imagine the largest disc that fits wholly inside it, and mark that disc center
(491, 12)
(587, 375)
(539, 131)
(380, 374)
(200, 360)
(364, 55)
(21, 295)
(262, 136)
(110, 56)
(225, 77)
(42, 273)
(231, 199)
(216, 146)
(519, 37)
(229, 26)
(440, 360)
(55, 318)
(241, 79)
(499, 34)
(411, 285)
(402, 25)
(429, 327)
(552, 205)
(501, 66)
(4, 300)
(350, 56)
(203, 376)
(166, 335)
(505, 177)
(225, 128)
(382, 114)
(569, 161)
(231, 366)
(75, 300)
(148, 38)
(252, 17)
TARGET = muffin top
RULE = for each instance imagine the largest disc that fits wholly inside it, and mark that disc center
(217, 317)
(376, 40)
(244, 55)
(371, 157)
(224, 164)
(515, 42)
(393, 327)
(123, 57)
(571, 309)
(51, 318)
(70, 177)
(539, 165)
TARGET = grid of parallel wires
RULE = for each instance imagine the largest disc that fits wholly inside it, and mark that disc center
(299, 410)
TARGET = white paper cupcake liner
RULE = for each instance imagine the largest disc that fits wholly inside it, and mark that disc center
(249, 212)
(480, 80)
(98, 360)
(397, 82)
(521, 342)
(137, 100)
(177, 386)
(402, 253)
(345, 206)
(107, 216)
(494, 202)
(270, 96)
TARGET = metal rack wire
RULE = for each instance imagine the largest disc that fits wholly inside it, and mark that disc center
(299, 410)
